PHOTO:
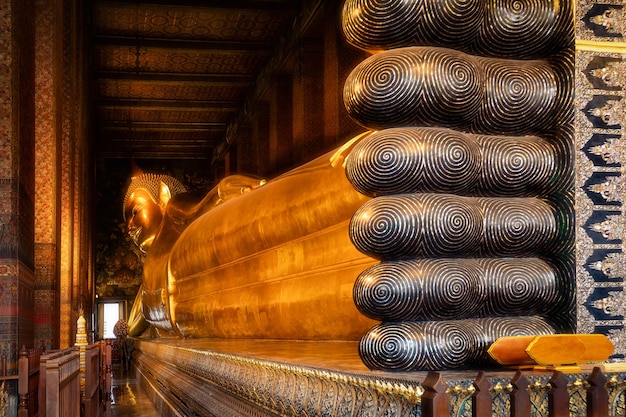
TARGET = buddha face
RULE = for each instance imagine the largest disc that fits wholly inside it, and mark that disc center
(143, 218)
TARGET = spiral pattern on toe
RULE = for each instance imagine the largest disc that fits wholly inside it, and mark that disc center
(389, 291)
(380, 24)
(518, 29)
(495, 327)
(395, 347)
(436, 225)
(426, 225)
(388, 89)
(387, 162)
(440, 345)
(410, 160)
(376, 224)
(439, 289)
(454, 87)
(452, 23)
(521, 97)
(452, 161)
(515, 166)
(416, 346)
(428, 289)
(407, 160)
(517, 226)
(385, 89)
(562, 65)
(529, 22)
(563, 204)
(442, 87)
(450, 344)
(509, 74)
(451, 225)
(451, 289)
(517, 286)
(492, 328)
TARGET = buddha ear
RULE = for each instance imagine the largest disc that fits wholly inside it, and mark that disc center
(164, 194)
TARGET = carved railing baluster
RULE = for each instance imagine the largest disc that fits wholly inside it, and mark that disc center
(435, 400)
(520, 398)
(22, 382)
(597, 395)
(558, 397)
(481, 399)
(107, 379)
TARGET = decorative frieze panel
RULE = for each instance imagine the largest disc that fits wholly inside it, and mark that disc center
(600, 136)
(196, 381)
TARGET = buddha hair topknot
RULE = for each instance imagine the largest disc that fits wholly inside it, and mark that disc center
(151, 182)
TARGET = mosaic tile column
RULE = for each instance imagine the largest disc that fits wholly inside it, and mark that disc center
(46, 131)
(600, 181)
(16, 177)
(75, 251)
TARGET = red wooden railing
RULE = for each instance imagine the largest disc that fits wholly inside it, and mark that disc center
(91, 391)
(49, 384)
(436, 400)
(52, 379)
(28, 382)
(61, 373)
(105, 377)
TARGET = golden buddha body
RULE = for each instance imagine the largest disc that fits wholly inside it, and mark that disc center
(277, 263)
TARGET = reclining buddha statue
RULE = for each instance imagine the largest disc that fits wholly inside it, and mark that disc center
(278, 253)
(445, 225)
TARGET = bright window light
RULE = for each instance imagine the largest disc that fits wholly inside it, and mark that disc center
(111, 316)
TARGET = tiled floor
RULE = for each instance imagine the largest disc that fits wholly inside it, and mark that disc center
(128, 399)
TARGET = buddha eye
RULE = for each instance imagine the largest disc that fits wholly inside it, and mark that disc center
(136, 209)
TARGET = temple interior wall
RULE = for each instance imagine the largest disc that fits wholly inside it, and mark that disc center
(46, 253)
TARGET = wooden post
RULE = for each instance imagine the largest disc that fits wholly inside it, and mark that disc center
(558, 397)
(107, 380)
(481, 399)
(597, 395)
(23, 372)
(520, 398)
(435, 400)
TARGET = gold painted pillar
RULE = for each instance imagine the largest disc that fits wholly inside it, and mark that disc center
(48, 63)
(74, 250)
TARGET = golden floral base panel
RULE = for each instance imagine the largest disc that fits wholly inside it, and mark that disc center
(272, 377)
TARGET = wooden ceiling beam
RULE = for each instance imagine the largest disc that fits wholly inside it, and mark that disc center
(163, 126)
(216, 79)
(279, 5)
(124, 147)
(166, 104)
(259, 48)
(152, 154)
(122, 144)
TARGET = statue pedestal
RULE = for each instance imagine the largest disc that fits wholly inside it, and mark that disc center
(272, 377)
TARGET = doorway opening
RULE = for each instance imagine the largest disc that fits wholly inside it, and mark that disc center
(109, 313)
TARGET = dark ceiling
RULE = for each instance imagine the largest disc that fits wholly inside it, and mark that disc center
(174, 79)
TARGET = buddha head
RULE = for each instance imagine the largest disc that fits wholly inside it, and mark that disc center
(144, 205)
